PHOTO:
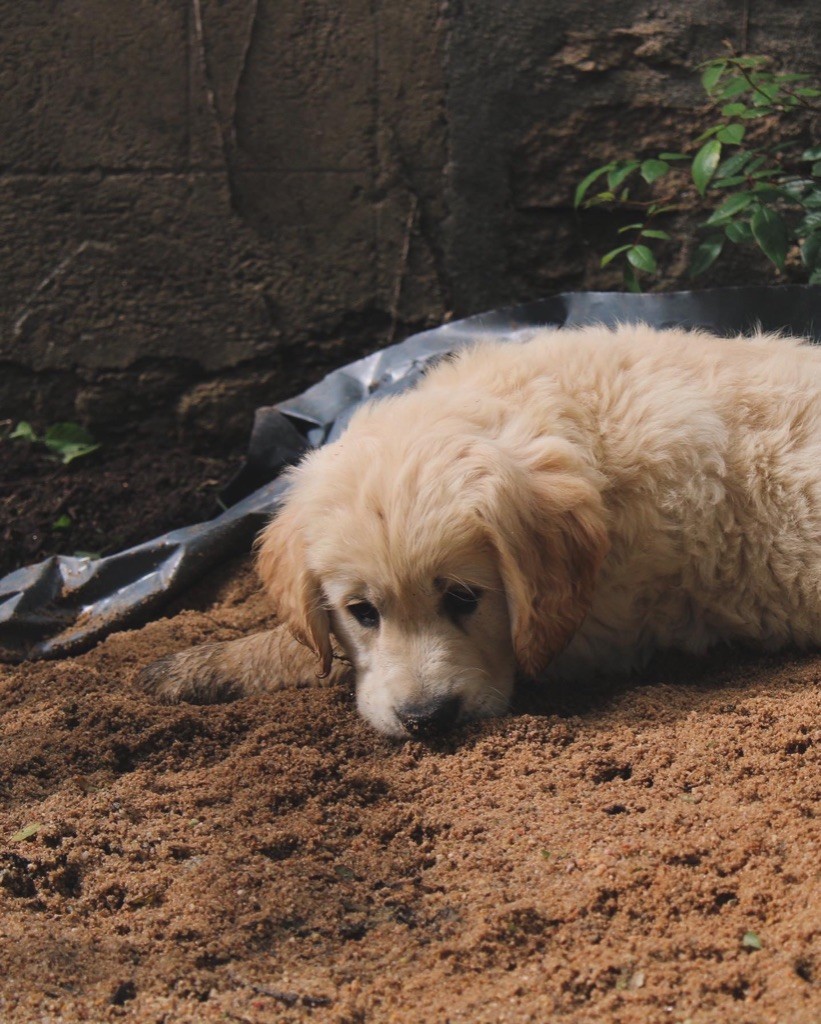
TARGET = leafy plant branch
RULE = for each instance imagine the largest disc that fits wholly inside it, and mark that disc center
(752, 197)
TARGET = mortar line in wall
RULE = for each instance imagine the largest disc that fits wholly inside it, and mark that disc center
(188, 137)
(54, 274)
(243, 69)
(745, 25)
(210, 91)
(377, 168)
(443, 251)
(172, 172)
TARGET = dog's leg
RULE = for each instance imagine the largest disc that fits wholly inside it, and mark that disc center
(214, 673)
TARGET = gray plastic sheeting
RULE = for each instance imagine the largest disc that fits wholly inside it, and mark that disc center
(65, 605)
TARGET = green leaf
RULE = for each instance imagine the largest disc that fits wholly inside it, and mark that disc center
(813, 200)
(730, 207)
(811, 251)
(733, 109)
(739, 232)
(771, 233)
(815, 170)
(706, 254)
(732, 134)
(655, 233)
(733, 164)
(585, 183)
(815, 277)
(735, 87)
(753, 61)
(599, 199)
(62, 522)
(673, 156)
(619, 173)
(737, 179)
(23, 430)
(766, 93)
(784, 144)
(705, 163)
(26, 832)
(631, 280)
(76, 451)
(792, 76)
(630, 227)
(67, 433)
(610, 256)
(70, 441)
(751, 941)
(797, 187)
(810, 222)
(808, 92)
(765, 193)
(711, 75)
(709, 132)
(642, 259)
(652, 170)
(654, 210)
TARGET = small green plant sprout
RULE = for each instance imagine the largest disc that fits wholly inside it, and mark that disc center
(751, 941)
(748, 195)
(69, 441)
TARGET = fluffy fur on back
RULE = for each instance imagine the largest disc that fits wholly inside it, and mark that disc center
(559, 506)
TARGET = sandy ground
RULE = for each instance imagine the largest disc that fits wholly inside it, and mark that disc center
(645, 851)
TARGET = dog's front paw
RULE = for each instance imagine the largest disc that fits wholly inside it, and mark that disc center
(216, 673)
(199, 675)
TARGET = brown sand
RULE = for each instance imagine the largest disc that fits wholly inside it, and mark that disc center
(597, 857)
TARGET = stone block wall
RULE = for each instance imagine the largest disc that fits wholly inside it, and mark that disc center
(205, 204)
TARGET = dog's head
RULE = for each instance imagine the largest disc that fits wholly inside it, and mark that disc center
(441, 563)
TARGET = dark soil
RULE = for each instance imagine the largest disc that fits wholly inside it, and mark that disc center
(126, 492)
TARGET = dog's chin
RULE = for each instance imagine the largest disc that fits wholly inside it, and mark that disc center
(379, 708)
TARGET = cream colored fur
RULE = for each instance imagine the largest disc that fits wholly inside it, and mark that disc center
(607, 494)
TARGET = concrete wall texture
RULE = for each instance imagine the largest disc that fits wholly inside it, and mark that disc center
(198, 189)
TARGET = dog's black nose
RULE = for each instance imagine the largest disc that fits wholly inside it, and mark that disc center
(425, 721)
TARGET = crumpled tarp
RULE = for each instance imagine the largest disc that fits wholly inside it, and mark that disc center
(64, 605)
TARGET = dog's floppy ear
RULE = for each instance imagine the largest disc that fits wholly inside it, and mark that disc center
(292, 586)
(548, 527)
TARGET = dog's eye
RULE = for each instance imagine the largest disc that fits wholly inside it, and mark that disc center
(365, 614)
(459, 601)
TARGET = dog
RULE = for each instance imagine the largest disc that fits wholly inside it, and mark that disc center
(555, 507)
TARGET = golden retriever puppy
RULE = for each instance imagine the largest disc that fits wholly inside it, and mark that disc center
(560, 506)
